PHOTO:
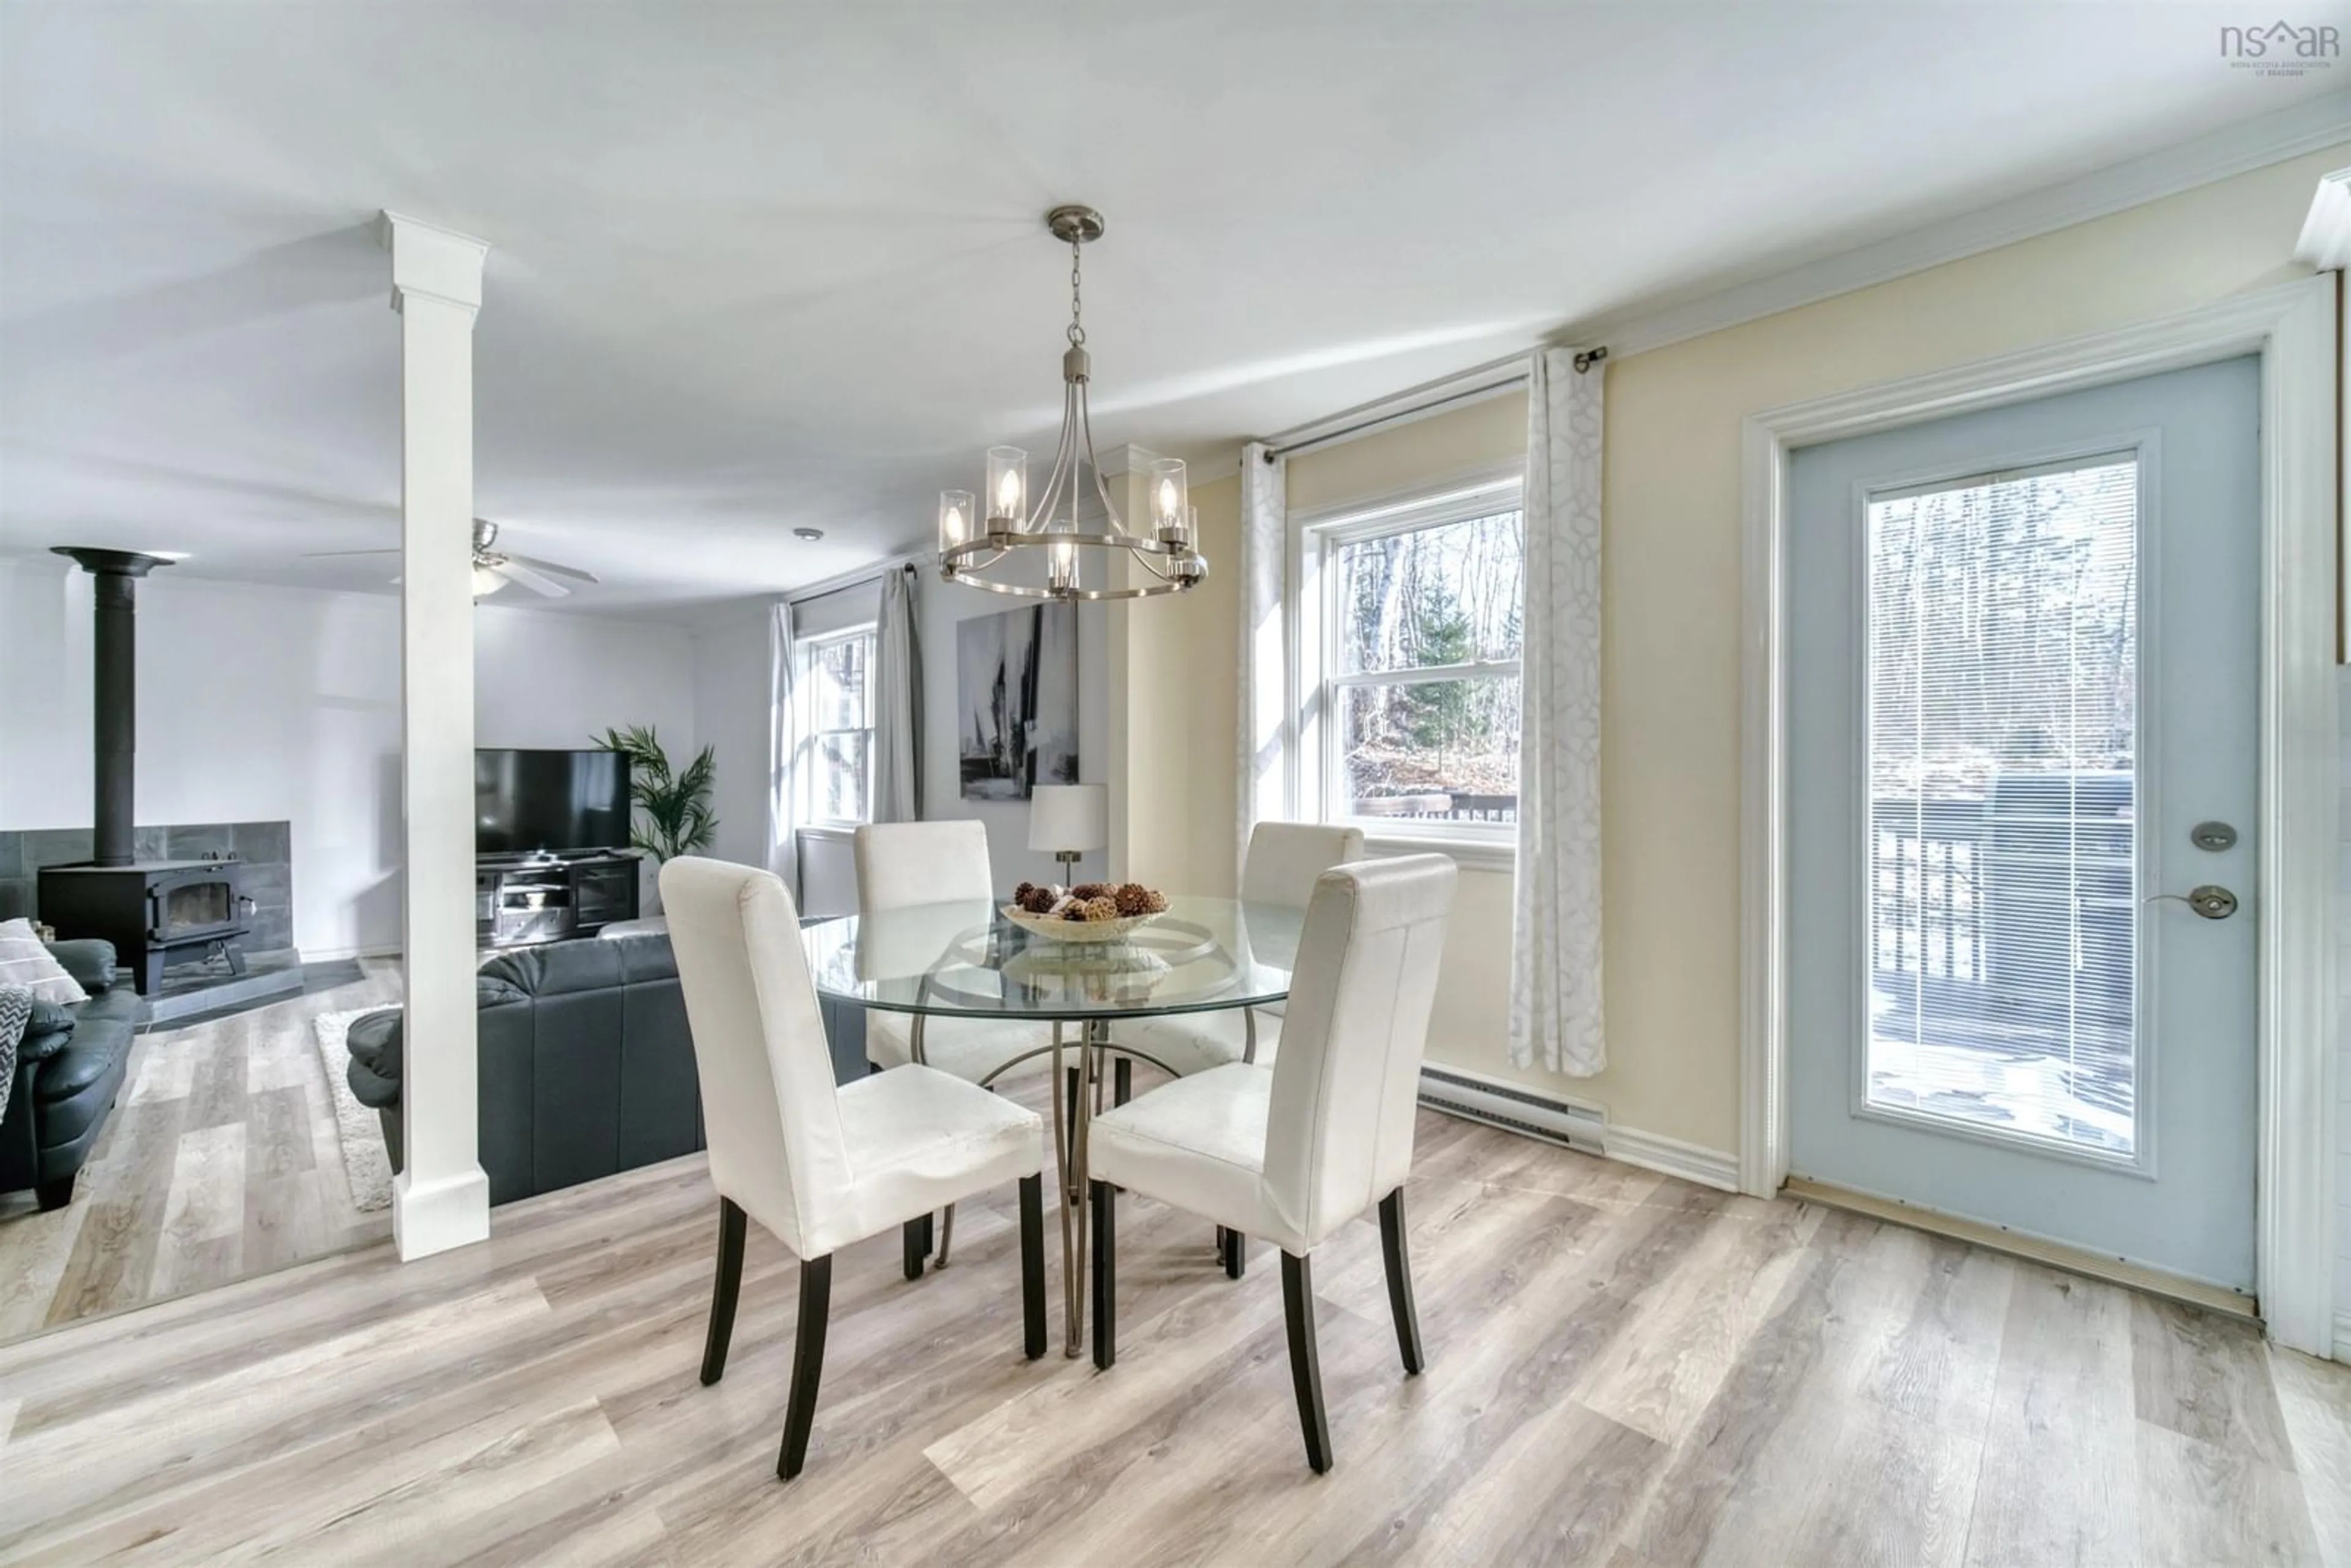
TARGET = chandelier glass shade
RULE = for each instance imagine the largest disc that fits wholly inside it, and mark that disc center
(981, 535)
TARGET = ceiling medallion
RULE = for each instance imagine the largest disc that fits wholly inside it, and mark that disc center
(979, 548)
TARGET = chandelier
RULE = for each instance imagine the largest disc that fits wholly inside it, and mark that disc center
(978, 547)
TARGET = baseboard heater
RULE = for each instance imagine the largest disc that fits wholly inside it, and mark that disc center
(1515, 1109)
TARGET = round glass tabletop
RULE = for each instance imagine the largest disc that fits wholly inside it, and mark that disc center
(967, 961)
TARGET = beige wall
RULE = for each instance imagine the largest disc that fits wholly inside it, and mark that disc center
(1176, 659)
(1671, 577)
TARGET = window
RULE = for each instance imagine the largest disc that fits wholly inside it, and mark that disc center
(1409, 649)
(837, 672)
(2003, 713)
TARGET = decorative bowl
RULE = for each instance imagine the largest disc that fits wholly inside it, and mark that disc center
(1054, 930)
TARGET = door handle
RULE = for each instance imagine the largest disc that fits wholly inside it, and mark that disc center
(2211, 902)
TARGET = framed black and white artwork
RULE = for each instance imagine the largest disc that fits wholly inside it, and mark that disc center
(1017, 701)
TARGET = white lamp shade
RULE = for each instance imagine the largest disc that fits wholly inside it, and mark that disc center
(1069, 817)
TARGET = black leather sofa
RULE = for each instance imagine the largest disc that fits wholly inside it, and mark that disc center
(69, 1068)
(586, 1065)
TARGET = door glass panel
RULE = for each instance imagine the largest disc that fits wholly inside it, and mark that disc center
(2003, 716)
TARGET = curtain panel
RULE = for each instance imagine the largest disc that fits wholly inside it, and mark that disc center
(1263, 777)
(783, 749)
(897, 703)
(1555, 1003)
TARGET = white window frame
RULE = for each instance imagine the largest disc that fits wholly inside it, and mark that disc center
(804, 653)
(1315, 539)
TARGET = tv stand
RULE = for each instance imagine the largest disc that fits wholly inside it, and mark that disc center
(521, 899)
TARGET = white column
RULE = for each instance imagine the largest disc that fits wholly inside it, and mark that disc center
(442, 1198)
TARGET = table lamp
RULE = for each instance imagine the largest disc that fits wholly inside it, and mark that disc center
(1066, 820)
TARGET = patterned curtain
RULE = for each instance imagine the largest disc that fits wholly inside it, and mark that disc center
(1264, 760)
(1555, 1012)
(897, 703)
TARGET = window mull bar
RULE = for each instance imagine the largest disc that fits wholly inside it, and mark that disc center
(1585, 361)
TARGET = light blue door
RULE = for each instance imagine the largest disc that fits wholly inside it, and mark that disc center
(2023, 728)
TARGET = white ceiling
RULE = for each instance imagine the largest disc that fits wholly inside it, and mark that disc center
(758, 267)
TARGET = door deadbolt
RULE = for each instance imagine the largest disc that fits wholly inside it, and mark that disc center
(2215, 836)
(2211, 902)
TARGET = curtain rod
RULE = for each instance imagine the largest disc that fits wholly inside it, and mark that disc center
(842, 581)
(1416, 401)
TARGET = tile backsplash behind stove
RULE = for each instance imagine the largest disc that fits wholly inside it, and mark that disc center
(265, 848)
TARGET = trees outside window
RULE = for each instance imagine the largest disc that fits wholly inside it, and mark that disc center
(1419, 677)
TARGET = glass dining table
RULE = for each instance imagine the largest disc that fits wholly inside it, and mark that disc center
(967, 961)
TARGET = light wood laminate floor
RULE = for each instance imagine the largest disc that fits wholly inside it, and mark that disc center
(1624, 1370)
(220, 1162)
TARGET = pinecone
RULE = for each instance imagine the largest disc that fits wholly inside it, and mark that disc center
(1035, 900)
(1090, 890)
(1100, 908)
(1020, 895)
(1133, 899)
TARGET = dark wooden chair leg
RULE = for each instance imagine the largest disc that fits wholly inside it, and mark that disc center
(1407, 1316)
(1032, 1264)
(807, 1362)
(1070, 1096)
(916, 1242)
(1305, 1359)
(1105, 1276)
(729, 1286)
(1121, 1081)
(1234, 1247)
(52, 1195)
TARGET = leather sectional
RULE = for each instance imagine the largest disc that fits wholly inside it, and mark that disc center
(69, 1069)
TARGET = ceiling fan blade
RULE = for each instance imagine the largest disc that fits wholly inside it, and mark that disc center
(556, 567)
(513, 572)
(333, 554)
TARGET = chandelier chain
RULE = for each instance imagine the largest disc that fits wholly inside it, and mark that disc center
(1077, 296)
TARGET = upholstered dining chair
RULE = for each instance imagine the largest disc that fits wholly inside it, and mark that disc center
(1282, 861)
(902, 865)
(820, 1166)
(1291, 1152)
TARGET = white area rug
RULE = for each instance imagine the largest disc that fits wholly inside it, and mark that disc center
(365, 1163)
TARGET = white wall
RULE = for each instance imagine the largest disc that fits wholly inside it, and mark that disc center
(730, 716)
(260, 704)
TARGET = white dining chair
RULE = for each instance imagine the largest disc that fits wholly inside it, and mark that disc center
(900, 865)
(1291, 1152)
(1282, 861)
(905, 865)
(820, 1166)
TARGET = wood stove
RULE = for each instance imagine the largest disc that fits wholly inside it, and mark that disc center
(154, 911)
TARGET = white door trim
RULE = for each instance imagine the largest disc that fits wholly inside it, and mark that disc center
(2292, 328)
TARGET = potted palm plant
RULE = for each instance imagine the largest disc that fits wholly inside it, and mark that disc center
(673, 805)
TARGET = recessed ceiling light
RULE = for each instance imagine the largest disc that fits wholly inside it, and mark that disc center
(811, 535)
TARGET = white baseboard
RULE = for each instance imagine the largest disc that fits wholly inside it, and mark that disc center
(435, 1216)
(1691, 1162)
(1578, 1125)
(2342, 1351)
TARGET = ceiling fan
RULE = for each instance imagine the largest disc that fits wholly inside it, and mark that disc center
(493, 568)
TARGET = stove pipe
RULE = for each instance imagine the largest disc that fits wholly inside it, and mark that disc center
(114, 716)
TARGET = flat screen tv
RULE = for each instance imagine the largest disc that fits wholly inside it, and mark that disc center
(557, 801)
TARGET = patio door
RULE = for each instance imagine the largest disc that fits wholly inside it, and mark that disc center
(2023, 732)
